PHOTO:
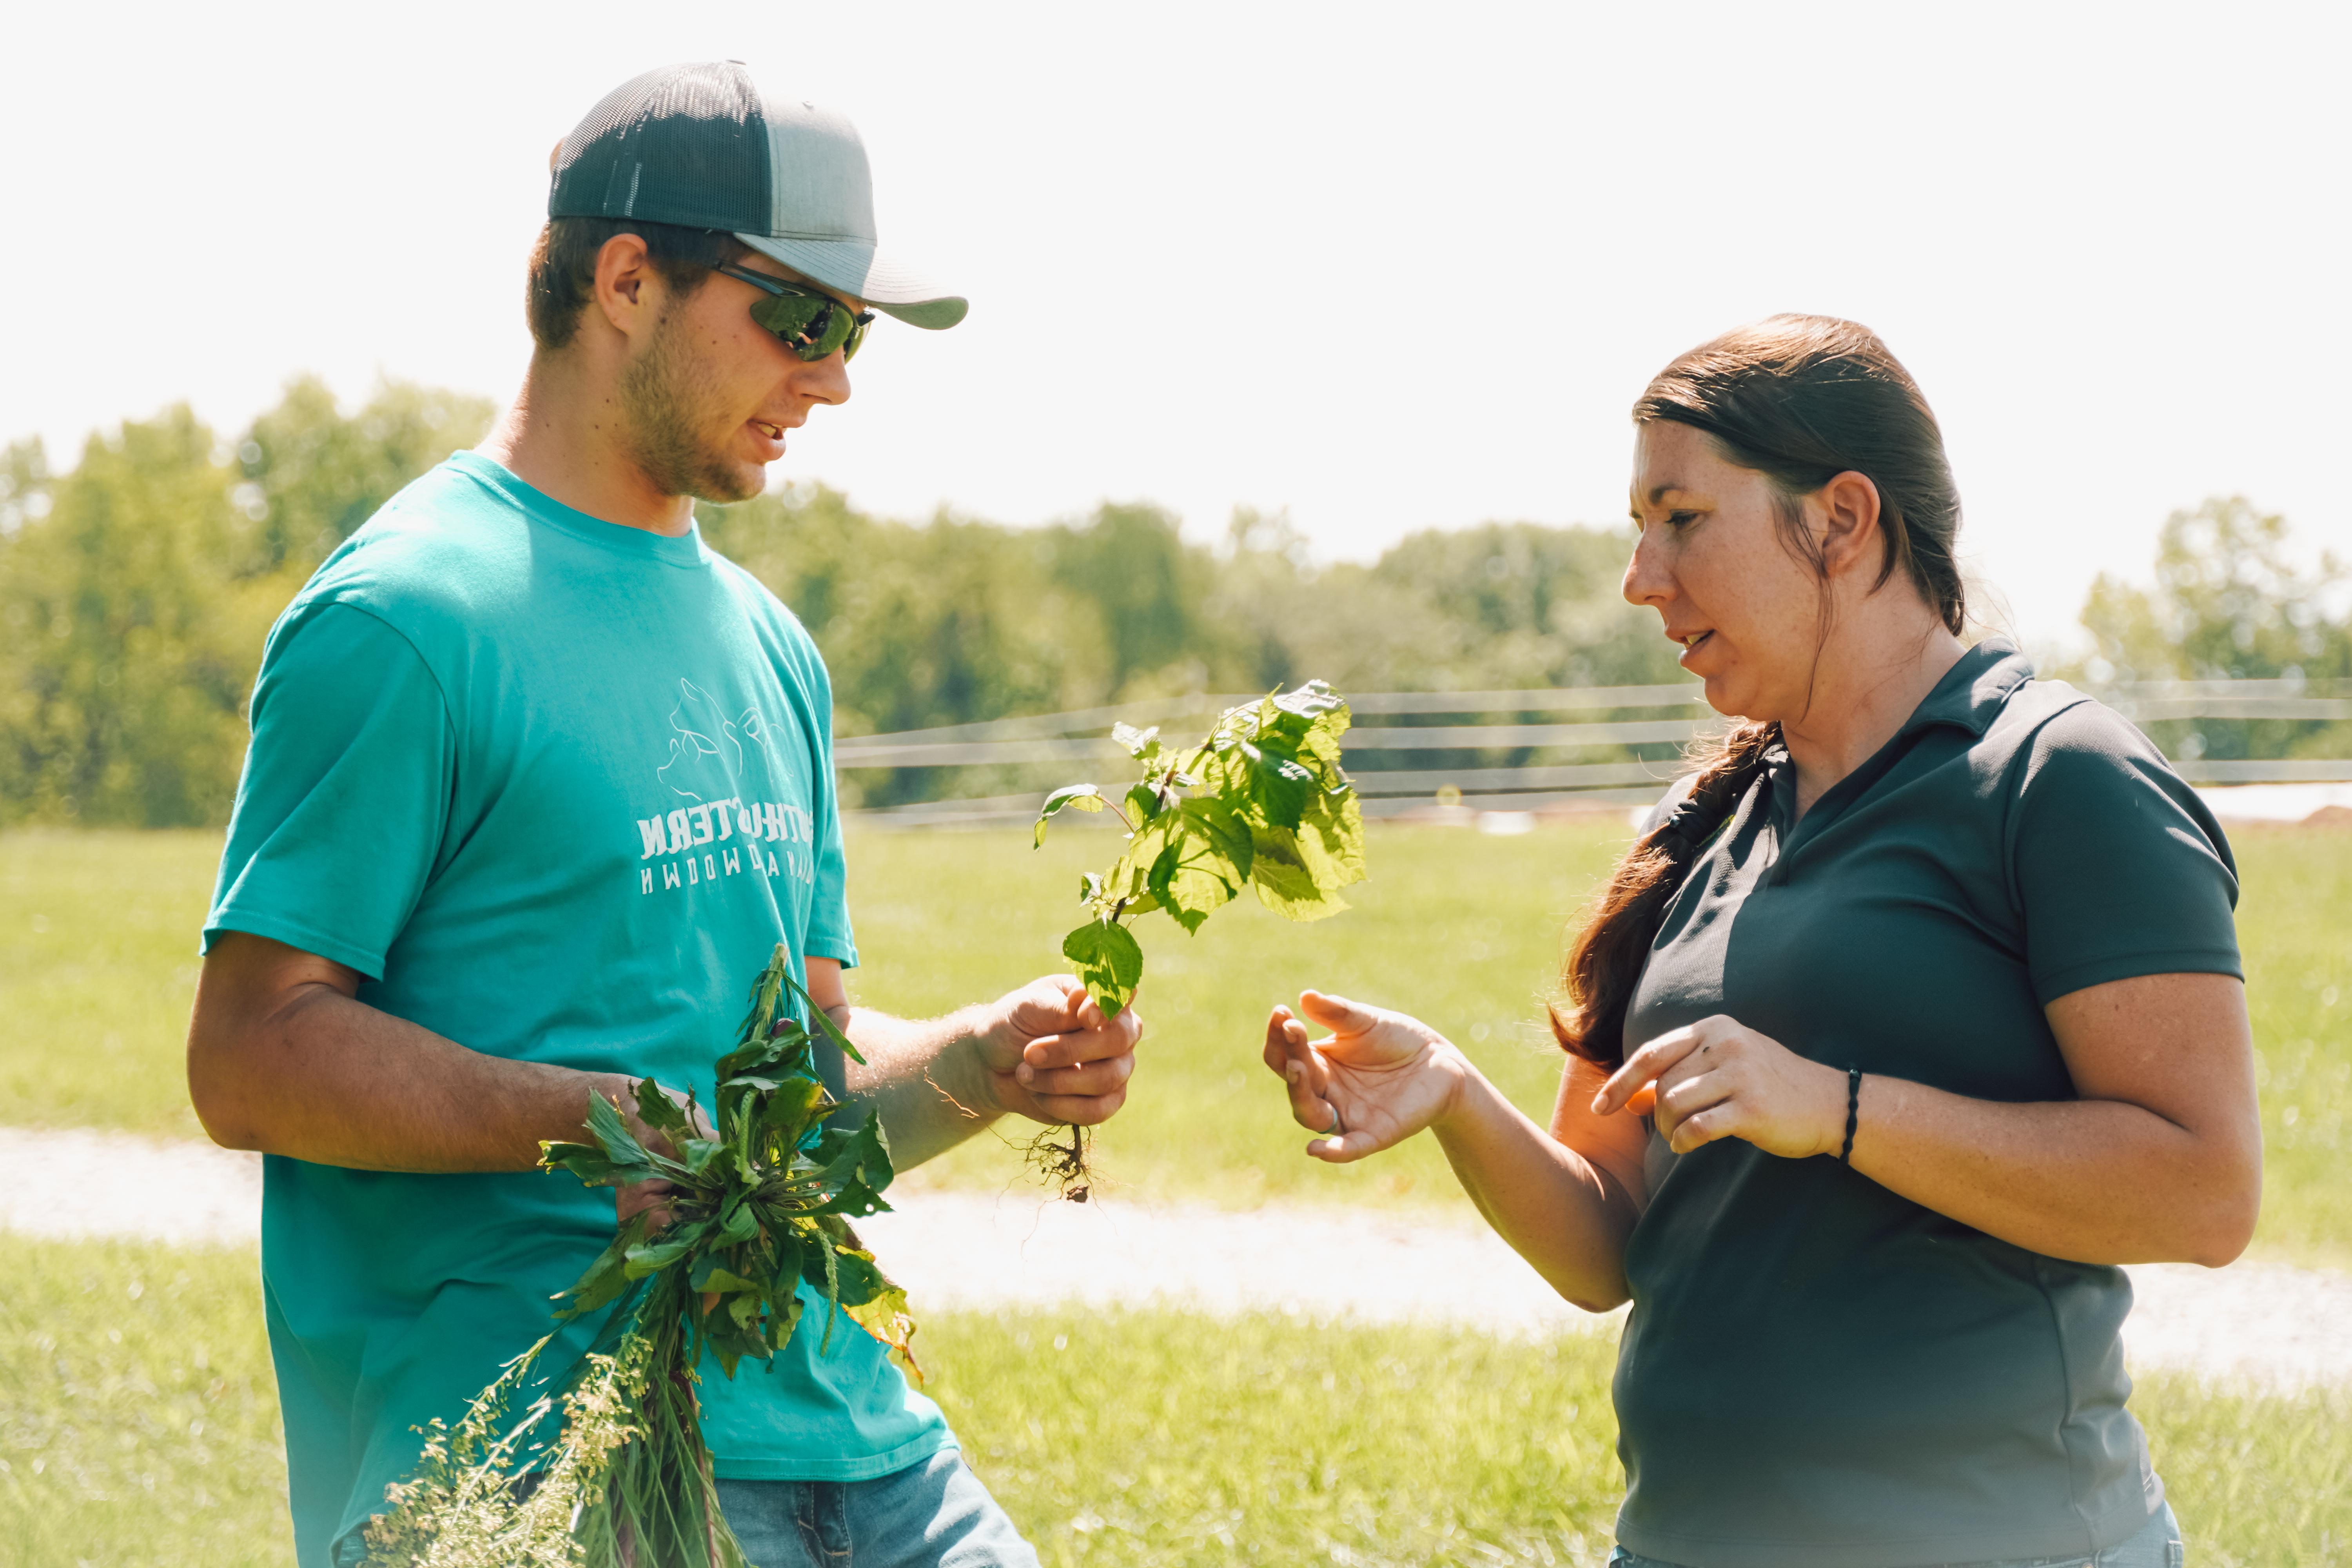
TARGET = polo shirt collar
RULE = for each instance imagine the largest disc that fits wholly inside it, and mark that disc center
(1973, 692)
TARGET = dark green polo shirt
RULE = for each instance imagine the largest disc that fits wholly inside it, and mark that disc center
(1818, 1373)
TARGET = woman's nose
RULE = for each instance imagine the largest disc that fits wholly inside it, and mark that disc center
(1647, 581)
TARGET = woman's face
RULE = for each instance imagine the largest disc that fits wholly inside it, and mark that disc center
(1711, 560)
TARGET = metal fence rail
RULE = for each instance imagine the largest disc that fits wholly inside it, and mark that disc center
(1537, 776)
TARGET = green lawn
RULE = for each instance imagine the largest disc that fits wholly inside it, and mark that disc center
(98, 965)
(137, 1426)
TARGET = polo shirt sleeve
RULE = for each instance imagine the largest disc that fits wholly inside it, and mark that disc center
(2118, 868)
(341, 812)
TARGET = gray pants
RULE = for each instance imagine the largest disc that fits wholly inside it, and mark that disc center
(934, 1514)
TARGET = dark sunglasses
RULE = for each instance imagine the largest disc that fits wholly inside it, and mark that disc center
(809, 322)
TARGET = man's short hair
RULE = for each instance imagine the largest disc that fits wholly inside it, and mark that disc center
(562, 275)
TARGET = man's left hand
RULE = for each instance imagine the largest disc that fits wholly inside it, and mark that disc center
(1053, 1057)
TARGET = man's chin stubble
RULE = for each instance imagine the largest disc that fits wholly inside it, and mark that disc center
(663, 416)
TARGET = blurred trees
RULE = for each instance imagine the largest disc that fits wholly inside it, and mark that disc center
(136, 592)
(2230, 601)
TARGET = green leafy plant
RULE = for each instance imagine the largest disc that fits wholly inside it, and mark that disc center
(1261, 803)
(754, 1209)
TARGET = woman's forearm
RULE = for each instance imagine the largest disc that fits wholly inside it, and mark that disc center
(2094, 1180)
(1563, 1214)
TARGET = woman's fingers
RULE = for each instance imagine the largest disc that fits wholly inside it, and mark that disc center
(1682, 1099)
(1345, 1148)
(1704, 1128)
(1280, 1024)
(1642, 1067)
(1338, 1014)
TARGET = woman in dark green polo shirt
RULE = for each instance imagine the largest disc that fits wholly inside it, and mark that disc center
(1931, 970)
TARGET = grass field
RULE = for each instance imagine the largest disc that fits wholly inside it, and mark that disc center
(98, 965)
(137, 1426)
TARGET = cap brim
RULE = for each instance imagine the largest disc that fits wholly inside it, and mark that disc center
(856, 269)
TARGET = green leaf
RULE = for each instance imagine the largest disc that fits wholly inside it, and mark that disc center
(824, 1020)
(1332, 840)
(1109, 962)
(590, 1165)
(608, 1277)
(1279, 787)
(1314, 699)
(651, 1259)
(1202, 864)
(620, 1144)
(1284, 882)
(1144, 802)
(1085, 796)
(1143, 745)
(657, 1109)
(856, 1154)
(789, 1111)
(1227, 834)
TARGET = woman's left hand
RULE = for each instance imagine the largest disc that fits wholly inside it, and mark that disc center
(1716, 1078)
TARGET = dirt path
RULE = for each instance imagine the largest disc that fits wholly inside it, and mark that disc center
(2262, 1323)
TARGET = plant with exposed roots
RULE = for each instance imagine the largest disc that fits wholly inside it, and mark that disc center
(1260, 803)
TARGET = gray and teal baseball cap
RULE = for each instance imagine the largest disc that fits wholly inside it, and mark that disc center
(701, 146)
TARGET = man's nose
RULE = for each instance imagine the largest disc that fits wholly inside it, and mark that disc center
(826, 381)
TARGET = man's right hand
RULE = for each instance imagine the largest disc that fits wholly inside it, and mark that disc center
(634, 1197)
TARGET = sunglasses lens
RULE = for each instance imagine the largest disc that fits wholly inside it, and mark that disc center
(812, 325)
(792, 317)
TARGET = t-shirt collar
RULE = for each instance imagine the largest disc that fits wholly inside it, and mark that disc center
(1972, 691)
(684, 550)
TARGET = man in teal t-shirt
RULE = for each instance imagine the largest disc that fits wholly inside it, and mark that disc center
(537, 783)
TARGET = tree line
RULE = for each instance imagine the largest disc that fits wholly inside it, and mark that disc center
(136, 589)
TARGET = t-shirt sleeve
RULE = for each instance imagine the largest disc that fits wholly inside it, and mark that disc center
(2119, 868)
(829, 934)
(340, 813)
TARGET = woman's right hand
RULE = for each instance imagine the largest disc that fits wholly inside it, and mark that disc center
(1384, 1076)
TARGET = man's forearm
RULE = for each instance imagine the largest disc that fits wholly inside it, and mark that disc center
(332, 1080)
(927, 1078)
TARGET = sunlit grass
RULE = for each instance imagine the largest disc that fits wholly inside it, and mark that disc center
(97, 961)
(138, 1424)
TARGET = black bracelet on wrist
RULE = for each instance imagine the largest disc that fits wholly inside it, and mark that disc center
(1852, 1112)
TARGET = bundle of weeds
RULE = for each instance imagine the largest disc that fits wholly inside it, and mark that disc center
(624, 1479)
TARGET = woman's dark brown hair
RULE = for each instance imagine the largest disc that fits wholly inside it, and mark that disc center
(1800, 399)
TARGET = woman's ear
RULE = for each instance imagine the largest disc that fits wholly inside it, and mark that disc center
(1850, 524)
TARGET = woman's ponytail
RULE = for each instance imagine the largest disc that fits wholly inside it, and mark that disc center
(1605, 963)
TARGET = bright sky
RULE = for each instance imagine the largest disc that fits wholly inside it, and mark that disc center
(1388, 267)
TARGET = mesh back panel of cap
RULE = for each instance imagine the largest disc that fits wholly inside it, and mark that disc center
(685, 144)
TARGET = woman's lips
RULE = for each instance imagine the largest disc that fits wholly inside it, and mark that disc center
(1691, 645)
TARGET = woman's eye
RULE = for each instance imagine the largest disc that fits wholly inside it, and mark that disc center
(1681, 518)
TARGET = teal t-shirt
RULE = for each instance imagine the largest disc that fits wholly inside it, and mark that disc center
(556, 788)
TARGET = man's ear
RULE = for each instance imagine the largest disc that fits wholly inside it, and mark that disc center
(1849, 523)
(627, 288)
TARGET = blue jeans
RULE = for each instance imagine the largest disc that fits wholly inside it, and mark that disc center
(935, 1514)
(2157, 1546)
